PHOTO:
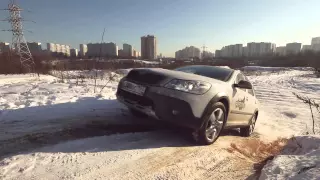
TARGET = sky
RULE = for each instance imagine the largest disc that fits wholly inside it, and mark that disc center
(175, 23)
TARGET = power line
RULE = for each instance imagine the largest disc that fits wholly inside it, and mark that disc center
(19, 43)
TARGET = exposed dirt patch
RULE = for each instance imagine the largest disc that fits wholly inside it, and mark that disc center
(257, 151)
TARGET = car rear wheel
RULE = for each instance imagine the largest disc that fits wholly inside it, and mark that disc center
(213, 125)
(137, 113)
(247, 131)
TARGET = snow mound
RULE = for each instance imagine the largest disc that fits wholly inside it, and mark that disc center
(300, 159)
(31, 104)
(261, 68)
(123, 71)
(226, 67)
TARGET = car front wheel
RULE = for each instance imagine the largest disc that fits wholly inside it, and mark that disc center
(213, 125)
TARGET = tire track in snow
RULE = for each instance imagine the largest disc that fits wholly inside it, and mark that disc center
(36, 140)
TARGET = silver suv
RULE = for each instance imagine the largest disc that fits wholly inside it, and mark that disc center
(206, 99)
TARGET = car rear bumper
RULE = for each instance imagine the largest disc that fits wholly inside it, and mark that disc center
(181, 108)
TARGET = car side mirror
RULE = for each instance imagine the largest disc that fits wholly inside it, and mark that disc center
(243, 84)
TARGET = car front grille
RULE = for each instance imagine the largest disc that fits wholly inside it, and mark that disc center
(145, 76)
(141, 100)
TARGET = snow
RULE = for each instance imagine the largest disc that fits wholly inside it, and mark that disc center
(44, 104)
(282, 113)
(300, 159)
(123, 71)
(29, 104)
(151, 155)
(139, 61)
(226, 67)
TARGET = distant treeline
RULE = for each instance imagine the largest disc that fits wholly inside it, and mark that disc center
(10, 64)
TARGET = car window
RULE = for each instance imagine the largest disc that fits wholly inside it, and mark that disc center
(250, 91)
(239, 78)
(222, 74)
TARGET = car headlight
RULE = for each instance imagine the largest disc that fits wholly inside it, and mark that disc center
(195, 87)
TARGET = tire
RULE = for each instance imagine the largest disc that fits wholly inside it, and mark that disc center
(137, 113)
(213, 125)
(247, 131)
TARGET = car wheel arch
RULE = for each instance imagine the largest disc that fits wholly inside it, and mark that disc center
(220, 97)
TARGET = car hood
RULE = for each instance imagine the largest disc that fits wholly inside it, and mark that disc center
(172, 74)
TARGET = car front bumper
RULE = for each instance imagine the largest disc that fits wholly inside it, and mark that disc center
(178, 107)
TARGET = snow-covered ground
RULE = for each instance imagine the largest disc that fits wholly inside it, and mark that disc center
(300, 159)
(29, 105)
(32, 104)
(282, 113)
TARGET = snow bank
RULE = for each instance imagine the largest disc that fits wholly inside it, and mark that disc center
(123, 71)
(263, 68)
(300, 159)
(281, 114)
(32, 104)
(227, 67)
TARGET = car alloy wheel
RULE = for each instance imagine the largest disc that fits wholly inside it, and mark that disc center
(248, 130)
(215, 124)
(252, 125)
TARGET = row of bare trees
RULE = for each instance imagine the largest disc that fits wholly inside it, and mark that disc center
(10, 64)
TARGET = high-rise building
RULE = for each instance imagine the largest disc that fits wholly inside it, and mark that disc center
(315, 44)
(4, 47)
(293, 48)
(148, 47)
(207, 54)
(261, 49)
(83, 50)
(245, 51)
(127, 50)
(103, 50)
(316, 47)
(63, 48)
(231, 51)
(74, 52)
(51, 47)
(121, 53)
(136, 53)
(281, 50)
(306, 48)
(315, 40)
(218, 53)
(58, 48)
(34, 47)
(188, 52)
(67, 50)
(237, 50)
(252, 49)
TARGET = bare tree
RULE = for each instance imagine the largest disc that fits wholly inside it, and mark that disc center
(311, 104)
(95, 63)
(111, 78)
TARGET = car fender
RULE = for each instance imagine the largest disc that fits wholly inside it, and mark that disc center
(216, 98)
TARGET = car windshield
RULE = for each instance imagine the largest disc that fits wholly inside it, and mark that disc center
(222, 74)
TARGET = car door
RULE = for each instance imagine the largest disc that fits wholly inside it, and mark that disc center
(238, 104)
(252, 102)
